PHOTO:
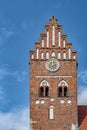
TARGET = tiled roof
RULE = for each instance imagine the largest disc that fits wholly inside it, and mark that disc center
(82, 117)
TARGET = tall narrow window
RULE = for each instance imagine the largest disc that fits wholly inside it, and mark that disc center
(64, 55)
(53, 54)
(74, 57)
(65, 91)
(32, 56)
(59, 55)
(47, 39)
(37, 55)
(59, 39)
(60, 92)
(41, 93)
(62, 89)
(44, 89)
(53, 35)
(42, 43)
(64, 43)
(51, 112)
(47, 55)
(69, 53)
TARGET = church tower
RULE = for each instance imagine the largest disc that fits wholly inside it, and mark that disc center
(53, 81)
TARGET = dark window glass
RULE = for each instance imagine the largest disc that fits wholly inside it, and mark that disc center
(41, 92)
(46, 91)
(65, 91)
(60, 92)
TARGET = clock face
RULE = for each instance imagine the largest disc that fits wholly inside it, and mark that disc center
(52, 64)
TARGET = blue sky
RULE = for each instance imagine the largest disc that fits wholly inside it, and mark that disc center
(21, 22)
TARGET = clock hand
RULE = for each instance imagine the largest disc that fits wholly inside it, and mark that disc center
(53, 64)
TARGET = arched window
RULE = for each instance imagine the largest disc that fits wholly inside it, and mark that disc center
(59, 39)
(42, 43)
(60, 92)
(32, 56)
(47, 91)
(64, 43)
(42, 55)
(41, 91)
(44, 89)
(47, 38)
(47, 55)
(65, 91)
(59, 55)
(37, 53)
(51, 112)
(69, 53)
(53, 35)
(64, 55)
(62, 89)
(53, 54)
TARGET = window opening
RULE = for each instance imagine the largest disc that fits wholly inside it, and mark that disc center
(59, 55)
(65, 91)
(47, 55)
(62, 89)
(53, 54)
(64, 55)
(60, 92)
(46, 91)
(41, 92)
(51, 112)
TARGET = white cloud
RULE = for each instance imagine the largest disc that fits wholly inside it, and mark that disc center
(5, 34)
(21, 77)
(83, 76)
(82, 96)
(5, 72)
(17, 120)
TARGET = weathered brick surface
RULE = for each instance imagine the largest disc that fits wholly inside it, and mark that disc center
(64, 114)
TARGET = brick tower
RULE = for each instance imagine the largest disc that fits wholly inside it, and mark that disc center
(53, 81)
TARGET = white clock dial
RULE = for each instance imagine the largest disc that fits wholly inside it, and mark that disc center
(52, 64)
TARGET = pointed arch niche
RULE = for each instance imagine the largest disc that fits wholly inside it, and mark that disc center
(51, 112)
(44, 89)
(62, 89)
